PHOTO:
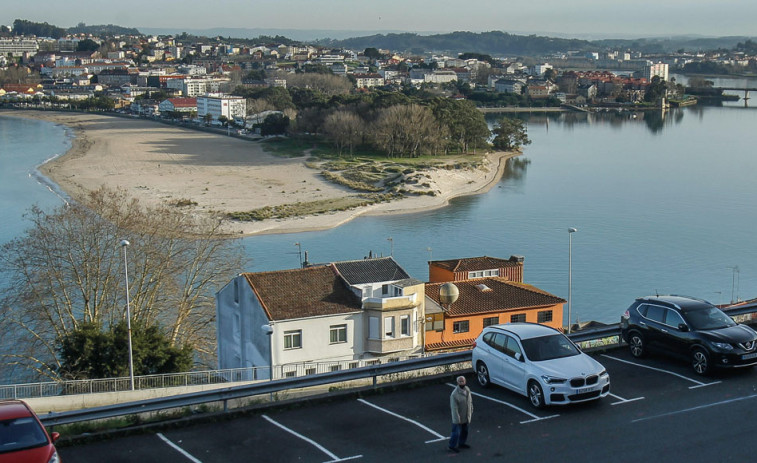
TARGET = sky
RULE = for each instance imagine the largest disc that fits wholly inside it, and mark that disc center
(574, 18)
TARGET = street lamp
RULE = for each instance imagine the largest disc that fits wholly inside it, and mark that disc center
(124, 244)
(570, 274)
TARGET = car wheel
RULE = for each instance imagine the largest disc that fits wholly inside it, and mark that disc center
(535, 394)
(700, 361)
(637, 344)
(482, 374)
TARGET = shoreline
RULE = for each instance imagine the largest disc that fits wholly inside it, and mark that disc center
(161, 164)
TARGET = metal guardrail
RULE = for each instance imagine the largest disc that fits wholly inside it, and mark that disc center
(191, 378)
(238, 392)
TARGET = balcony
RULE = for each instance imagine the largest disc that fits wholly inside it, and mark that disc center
(390, 303)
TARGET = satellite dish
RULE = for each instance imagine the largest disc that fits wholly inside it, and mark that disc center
(448, 293)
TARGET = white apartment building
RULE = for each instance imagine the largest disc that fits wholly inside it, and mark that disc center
(17, 47)
(217, 105)
(657, 69)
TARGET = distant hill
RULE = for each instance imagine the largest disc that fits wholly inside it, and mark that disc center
(495, 43)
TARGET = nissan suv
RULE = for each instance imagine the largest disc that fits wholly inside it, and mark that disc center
(690, 328)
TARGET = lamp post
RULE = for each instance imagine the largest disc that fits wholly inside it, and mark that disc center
(299, 251)
(570, 275)
(391, 244)
(124, 244)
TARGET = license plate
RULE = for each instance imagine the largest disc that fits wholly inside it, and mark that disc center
(584, 390)
(749, 356)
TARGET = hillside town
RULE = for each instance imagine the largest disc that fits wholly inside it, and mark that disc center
(212, 80)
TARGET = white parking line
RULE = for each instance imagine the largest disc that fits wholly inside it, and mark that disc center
(535, 418)
(700, 407)
(439, 437)
(315, 444)
(697, 383)
(179, 449)
(621, 400)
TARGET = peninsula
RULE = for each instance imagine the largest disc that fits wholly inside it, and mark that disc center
(215, 175)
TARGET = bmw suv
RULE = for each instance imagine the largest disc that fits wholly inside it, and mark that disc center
(538, 362)
(690, 328)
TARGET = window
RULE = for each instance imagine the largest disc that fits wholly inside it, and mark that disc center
(310, 371)
(491, 321)
(373, 328)
(405, 325)
(389, 327)
(293, 339)
(544, 316)
(483, 273)
(655, 312)
(460, 327)
(673, 318)
(236, 291)
(384, 290)
(335, 368)
(518, 318)
(499, 342)
(337, 334)
(513, 347)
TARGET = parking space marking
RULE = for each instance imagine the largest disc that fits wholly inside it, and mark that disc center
(502, 402)
(700, 407)
(439, 437)
(178, 449)
(621, 400)
(698, 384)
(315, 444)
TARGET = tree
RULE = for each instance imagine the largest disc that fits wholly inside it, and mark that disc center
(405, 130)
(345, 129)
(465, 124)
(509, 134)
(67, 270)
(372, 53)
(275, 124)
(655, 90)
(91, 352)
(87, 45)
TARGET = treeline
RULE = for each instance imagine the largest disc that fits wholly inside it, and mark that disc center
(108, 30)
(396, 124)
(715, 68)
(24, 27)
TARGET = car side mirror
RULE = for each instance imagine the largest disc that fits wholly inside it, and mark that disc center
(54, 436)
(683, 327)
(519, 356)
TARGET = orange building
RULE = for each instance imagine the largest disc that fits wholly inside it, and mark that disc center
(490, 292)
(475, 267)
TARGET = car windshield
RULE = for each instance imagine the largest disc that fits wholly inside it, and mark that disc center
(20, 433)
(708, 318)
(549, 347)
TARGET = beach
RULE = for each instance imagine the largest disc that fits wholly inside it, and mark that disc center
(217, 174)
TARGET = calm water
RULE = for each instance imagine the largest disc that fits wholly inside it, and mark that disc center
(661, 204)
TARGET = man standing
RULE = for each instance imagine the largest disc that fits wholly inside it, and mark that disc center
(461, 406)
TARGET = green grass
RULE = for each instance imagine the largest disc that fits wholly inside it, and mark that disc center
(311, 208)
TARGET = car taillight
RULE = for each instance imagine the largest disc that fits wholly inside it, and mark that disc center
(474, 344)
(626, 314)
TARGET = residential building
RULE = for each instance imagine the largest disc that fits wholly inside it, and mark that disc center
(658, 69)
(483, 302)
(218, 104)
(182, 105)
(368, 80)
(475, 267)
(338, 312)
(509, 86)
(17, 47)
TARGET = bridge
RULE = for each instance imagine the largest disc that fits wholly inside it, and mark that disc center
(739, 89)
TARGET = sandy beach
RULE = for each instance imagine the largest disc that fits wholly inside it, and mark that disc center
(159, 163)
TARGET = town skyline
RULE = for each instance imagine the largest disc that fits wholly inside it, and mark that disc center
(579, 19)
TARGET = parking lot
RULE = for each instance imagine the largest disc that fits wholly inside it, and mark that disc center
(658, 410)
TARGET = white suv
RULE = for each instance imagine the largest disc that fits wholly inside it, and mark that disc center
(538, 362)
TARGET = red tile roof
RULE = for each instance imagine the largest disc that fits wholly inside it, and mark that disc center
(303, 293)
(496, 295)
(450, 345)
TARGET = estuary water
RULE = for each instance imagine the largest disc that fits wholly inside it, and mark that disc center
(663, 203)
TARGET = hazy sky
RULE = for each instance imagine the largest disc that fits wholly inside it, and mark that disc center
(572, 17)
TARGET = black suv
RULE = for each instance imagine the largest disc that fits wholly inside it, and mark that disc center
(688, 327)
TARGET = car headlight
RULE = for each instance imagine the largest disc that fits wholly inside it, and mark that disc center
(552, 379)
(603, 373)
(722, 345)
